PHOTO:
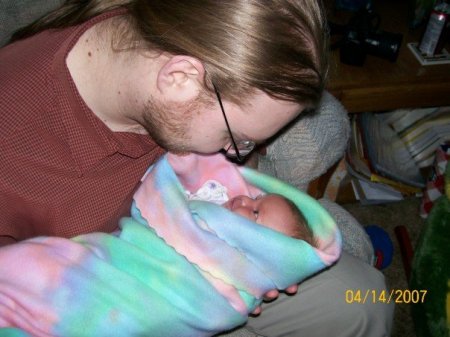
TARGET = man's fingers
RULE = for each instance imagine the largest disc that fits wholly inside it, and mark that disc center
(292, 289)
(257, 311)
(271, 295)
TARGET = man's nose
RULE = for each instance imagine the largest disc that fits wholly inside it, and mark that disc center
(227, 146)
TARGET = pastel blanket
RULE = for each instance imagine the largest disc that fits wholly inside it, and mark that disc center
(176, 268)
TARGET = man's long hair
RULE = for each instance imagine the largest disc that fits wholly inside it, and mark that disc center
(277, 46)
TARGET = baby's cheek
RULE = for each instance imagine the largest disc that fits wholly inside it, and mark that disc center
(227, 204)
(245, 212)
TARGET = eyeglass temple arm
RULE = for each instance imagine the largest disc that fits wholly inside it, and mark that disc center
(238, 155)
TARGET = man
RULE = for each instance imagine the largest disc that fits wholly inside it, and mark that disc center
(96, 91)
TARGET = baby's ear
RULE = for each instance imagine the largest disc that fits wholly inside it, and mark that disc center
(181, 78)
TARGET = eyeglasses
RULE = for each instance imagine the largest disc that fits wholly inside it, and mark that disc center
(238, 150)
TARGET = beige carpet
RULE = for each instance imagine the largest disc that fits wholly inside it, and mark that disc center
(387, 216)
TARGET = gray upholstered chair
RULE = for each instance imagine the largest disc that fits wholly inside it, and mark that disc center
(305, 151)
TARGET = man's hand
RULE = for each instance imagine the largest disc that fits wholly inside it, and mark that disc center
(272, 295)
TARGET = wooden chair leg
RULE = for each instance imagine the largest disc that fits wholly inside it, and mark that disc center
(406, 249)
(316, 188)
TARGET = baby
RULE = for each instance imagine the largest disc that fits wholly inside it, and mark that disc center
(170, 253)
(271, 210)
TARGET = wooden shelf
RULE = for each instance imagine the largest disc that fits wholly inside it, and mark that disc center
(383, 85)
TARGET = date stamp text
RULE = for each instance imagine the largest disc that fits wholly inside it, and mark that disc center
(385, 296)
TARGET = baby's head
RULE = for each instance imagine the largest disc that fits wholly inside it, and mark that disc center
(273, 211)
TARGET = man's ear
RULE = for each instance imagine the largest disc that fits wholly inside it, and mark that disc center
(181, 78)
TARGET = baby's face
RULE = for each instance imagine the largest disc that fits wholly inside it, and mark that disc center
(269, 210)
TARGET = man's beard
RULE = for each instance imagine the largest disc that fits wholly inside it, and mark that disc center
(169, 125)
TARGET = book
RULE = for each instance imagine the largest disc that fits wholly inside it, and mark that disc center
(355, 154)
(405, 190)
(373, 193)
(422, 130)
(386, 153)
(426, 60)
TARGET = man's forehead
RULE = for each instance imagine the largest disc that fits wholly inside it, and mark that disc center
(261, 99)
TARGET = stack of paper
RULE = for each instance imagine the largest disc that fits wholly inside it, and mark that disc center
(376, 158)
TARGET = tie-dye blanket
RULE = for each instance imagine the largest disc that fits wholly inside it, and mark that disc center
(177, 267)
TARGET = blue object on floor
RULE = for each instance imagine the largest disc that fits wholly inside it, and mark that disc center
(382, 245)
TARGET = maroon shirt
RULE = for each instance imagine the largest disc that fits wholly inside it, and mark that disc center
(62, 171)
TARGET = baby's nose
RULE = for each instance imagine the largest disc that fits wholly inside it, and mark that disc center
(247, 201)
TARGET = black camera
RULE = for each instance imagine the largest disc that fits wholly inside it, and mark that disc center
(361, 36)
